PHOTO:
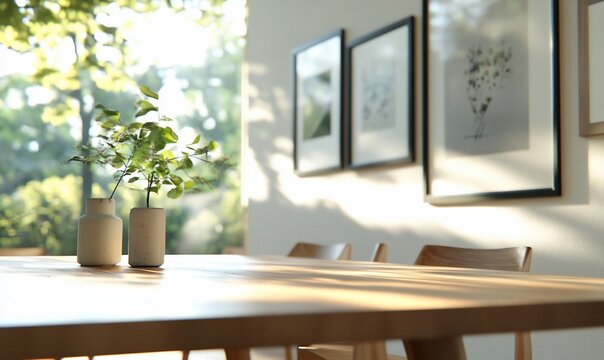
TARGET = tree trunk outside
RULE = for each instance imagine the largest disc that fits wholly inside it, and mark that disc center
(87, 179)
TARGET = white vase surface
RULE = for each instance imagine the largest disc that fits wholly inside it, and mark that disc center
(99, 234)
(146, 237)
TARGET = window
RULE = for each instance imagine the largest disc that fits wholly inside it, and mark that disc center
(57, 62)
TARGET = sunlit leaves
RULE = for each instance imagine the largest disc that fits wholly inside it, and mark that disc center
(139, 151)
(43, 72)
(60, 113)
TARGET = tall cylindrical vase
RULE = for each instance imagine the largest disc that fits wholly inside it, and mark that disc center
(99, 234)
(147, 237)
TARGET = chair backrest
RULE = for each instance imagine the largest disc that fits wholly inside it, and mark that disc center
(380, 253)
(510, 259)
(340, 251)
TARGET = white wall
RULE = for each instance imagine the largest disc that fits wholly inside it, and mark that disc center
(364, 207)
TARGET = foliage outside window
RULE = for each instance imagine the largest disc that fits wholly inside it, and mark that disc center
(59, 58)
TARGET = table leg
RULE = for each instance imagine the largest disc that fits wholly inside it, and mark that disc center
(370, 350)
(237, 354)
(450, 348)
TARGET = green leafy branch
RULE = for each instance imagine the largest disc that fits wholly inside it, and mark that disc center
(148, 151)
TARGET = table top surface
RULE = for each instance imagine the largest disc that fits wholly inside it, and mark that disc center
(294, 300)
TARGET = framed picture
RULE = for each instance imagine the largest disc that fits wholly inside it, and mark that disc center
(317, 104)
(591, 58)
(380, 80)
(491, 100)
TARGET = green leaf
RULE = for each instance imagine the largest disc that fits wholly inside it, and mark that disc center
(159, 145)
(165, 171)
(109, 124)
(176, 180)
(105, 111)
(189, 184)
(169, 135)
(157, 138)
(196, 140)
(139, 155)
(117, 162)
(45, 72)
(186, 163)
(175, 192)
(133, 179)
(150, 93)
(144, 107)
(212, 145)
(167, 155)
(149, 125)
(110, 112)
(134, 126)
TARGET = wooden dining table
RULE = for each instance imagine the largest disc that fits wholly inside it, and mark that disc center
(53, 307)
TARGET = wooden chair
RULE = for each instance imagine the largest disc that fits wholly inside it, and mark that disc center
(509, 259)
(340, 251)
(343, 351)
(380, 253)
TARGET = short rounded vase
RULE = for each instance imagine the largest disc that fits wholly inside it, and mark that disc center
(99, 234)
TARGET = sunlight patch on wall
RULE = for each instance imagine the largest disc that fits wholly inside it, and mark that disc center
(369, 202)
(596, 170)
(259, 111)
(258, 187)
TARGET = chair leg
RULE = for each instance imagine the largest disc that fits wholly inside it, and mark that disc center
(370, 350)
(288, 353)
(450, 348)
(523, 346)
(185, 355)
(237, 354)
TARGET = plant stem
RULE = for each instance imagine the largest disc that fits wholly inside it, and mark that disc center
(121, 177)
(149, 188)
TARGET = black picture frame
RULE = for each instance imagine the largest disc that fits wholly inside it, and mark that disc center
(318, 78)
(591, 72)
(515, 152)
(380, 80)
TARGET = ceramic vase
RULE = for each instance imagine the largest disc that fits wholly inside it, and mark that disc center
(99, 234)
(146, 237)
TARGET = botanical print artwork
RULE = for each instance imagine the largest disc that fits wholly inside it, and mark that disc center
(377, 92)
(316, 110)
(487, 69)
(485, 66)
